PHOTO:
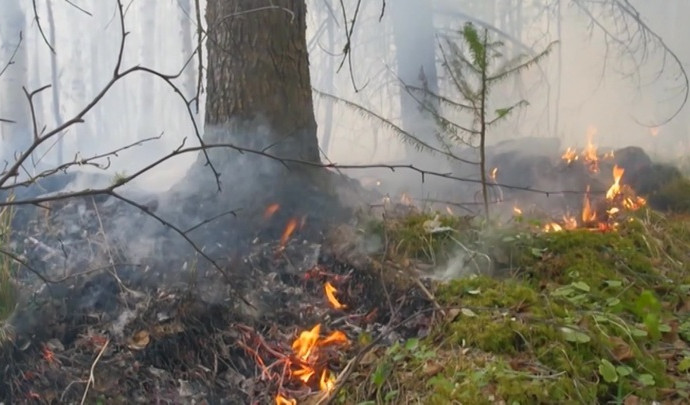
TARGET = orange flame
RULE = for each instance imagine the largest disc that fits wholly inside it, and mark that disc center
(517, 210)
(615, 188)
(270, 210)
(588, 215)
(289, 229)
(493, 173)
(327, 381)
(590, 152)
(569, 222)
(552, 227)
(335, 337)
(570, 155)
(304, 373)
(305, 343)
(328, 287)
(281, 400)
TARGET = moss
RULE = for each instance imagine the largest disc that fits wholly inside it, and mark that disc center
(408, 236)
(576, 301)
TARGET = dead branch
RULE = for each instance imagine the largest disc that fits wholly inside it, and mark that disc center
(40, 27)
(10, 61)
(118, 75)
(92, 379)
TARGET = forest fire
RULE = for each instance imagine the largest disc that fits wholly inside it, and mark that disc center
(308, 365)
(271, 210)
(617, 199)
(330, 290)
(589, 155)
(289, 230)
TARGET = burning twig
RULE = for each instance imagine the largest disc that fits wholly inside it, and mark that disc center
(330, 290)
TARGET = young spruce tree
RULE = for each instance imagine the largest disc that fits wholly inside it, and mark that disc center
(475, 67)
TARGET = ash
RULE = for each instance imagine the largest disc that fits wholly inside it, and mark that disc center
(137, 321)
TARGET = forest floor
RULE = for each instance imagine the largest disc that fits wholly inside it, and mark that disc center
(580, 316)
(409, 307)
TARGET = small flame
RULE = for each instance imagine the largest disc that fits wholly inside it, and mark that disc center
(335, 337)
(588, 215)
(569, 222)
(570, 155)
(590, 152)
(615, 189)
(330, 290)
(306, 342)
(281, 400)
(304, 374)
(406, 200)
(609, 155)
(517, 210)
(327, 381)
(553, 227)
(270, 210)
(289, 229)
(449, 210)
(634, 204)
(493, 173)
(654, 131)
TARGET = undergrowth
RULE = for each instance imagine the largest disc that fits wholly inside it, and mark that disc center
(573, 317)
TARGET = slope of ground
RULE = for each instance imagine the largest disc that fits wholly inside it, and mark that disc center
(565, 317)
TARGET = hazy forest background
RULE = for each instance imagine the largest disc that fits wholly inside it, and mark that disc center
(604, 73)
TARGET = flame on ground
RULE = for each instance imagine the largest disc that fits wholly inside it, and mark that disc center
(281, 400)
(615, 188)
(552, 227)
(327, 381)
(588, 214)
(289, 229)
(270, 210)
(570, 155)
(590, 152)
(330, 290)
(569, 222)
(306, 342)
(517, 210)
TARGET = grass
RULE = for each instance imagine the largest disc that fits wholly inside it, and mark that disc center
(576, 317)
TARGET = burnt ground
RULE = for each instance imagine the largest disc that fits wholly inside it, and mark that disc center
(129, 321)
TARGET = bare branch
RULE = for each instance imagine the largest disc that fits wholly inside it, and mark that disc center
(40, 28)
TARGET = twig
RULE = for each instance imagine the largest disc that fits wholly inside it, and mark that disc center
(40, 28)
(10, 61)
(92, 379)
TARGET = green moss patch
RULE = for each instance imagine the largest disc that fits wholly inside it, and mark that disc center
(579, 317)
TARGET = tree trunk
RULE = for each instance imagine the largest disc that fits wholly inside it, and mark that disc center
(258, 74)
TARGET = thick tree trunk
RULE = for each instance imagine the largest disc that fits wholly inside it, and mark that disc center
(258, 73)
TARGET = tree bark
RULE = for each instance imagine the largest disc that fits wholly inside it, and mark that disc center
(258, 73)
